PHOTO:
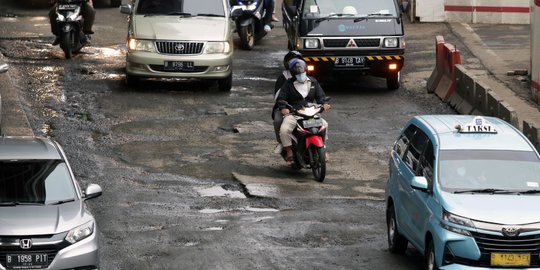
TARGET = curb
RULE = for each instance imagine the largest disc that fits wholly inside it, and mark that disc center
(13, 118)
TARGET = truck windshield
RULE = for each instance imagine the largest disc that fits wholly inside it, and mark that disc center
(348, 8)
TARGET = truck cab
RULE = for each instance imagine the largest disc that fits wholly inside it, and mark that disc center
(347, 37)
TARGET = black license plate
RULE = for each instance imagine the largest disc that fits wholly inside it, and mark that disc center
(67, 7)
(27, 261)
(349, 61)
(178, 65)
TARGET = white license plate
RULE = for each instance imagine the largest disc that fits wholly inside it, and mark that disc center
(27, 261)
(349, 61)
(67, 7)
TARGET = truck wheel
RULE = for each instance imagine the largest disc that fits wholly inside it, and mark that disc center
(392, 81)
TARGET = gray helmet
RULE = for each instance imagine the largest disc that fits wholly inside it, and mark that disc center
(297, 66)
(290, 56)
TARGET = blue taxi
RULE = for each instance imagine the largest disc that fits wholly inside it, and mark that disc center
(465, 192)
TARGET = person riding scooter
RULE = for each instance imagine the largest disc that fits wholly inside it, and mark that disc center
(88, 12)
(283, 77)
(297, 92)
(268, 7)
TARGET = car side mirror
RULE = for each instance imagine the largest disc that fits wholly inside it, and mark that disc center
(126, 9)
(405, 6)
(4, 68)
(420, 183)
(92, 191)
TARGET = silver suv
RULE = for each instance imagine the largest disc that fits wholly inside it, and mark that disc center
(44, 222)
(179, 39)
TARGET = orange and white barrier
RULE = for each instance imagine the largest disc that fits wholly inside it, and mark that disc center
(442, 80)
(473, 11)
(535, 50)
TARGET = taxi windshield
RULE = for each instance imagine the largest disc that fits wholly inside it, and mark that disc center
(460, 171)
(181, 7)
(348, 8)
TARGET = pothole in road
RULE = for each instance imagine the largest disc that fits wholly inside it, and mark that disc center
(219, 191)
(249, 209)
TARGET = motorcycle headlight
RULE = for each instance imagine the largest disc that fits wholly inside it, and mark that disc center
(141, 45)
(217, 47)
(391, 42)
(81, 232)
(311, 43)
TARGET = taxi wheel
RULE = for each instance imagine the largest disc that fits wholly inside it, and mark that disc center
(430, 257)
(396, 242)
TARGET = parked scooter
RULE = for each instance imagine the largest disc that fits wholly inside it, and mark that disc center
(70, 26)
(308, 140)
(248, 16)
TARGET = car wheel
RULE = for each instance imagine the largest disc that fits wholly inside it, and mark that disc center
(225, 85)
(132, 81)
(430, 257)
(392, 81)
(396, 242)
(116, 3)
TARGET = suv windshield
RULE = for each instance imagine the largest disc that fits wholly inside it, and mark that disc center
(35, 182)
(489, 171)
(348, 8)
(181, 7)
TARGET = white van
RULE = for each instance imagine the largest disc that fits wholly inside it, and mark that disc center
(179, 39)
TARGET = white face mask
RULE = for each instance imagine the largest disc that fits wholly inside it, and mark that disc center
(302, 77)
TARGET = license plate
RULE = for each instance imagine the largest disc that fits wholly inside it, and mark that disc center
(349, 61)
(312, 123)
(178, 65)
(27, 261)
(67, 7)
(510, 259)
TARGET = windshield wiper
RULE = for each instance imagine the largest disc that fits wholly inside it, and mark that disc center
(530, 191)
(485, 190)
(332, 15)
(62, 202)
(372, 15)
(18, 203)
(210, 15)
(180, 14)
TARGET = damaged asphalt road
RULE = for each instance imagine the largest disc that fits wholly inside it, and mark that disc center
(189, 177)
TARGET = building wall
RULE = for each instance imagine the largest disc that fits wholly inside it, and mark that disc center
(535, 50)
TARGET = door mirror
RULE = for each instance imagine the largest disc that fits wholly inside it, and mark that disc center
(92, 191)
(4, 68)
(420, 183)
(125, 9)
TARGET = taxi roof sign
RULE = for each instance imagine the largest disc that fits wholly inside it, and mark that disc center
(478, 125)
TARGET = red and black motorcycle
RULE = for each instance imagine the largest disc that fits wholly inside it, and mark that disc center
(308, 140)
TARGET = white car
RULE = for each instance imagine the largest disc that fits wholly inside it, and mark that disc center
(179, 39)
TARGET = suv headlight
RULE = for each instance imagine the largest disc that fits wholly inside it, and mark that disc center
(81, 232)
(450, 219)
(391, 42)
(217, 47)
(141, 45)
(311, 43)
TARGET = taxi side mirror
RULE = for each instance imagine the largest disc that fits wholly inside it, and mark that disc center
(420, 183)
(126, 9)
(4, 68)
(92, 191)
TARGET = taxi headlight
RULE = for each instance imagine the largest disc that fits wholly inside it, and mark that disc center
(81, 232)
(141, 45)
(391, 42)
(217, 47)
(311, 43)
(449, 219)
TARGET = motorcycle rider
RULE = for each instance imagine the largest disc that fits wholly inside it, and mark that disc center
(268, 8)
(297, 92)
(88, 12)
(283, 77)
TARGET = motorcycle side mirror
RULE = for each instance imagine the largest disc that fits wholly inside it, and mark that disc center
(4, 68)
(236, 12)
(126, 9)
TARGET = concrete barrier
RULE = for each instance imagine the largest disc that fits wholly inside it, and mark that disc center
(464, 90)
(479, 101)
(508, 114)
(530, 130)
(493, 102)
(435, 77)
(442, 81)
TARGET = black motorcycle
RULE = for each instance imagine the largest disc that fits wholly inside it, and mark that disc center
(70, 26)
(248, 16)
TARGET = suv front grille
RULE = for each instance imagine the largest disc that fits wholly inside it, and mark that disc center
(176, 47)
(342, 42)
